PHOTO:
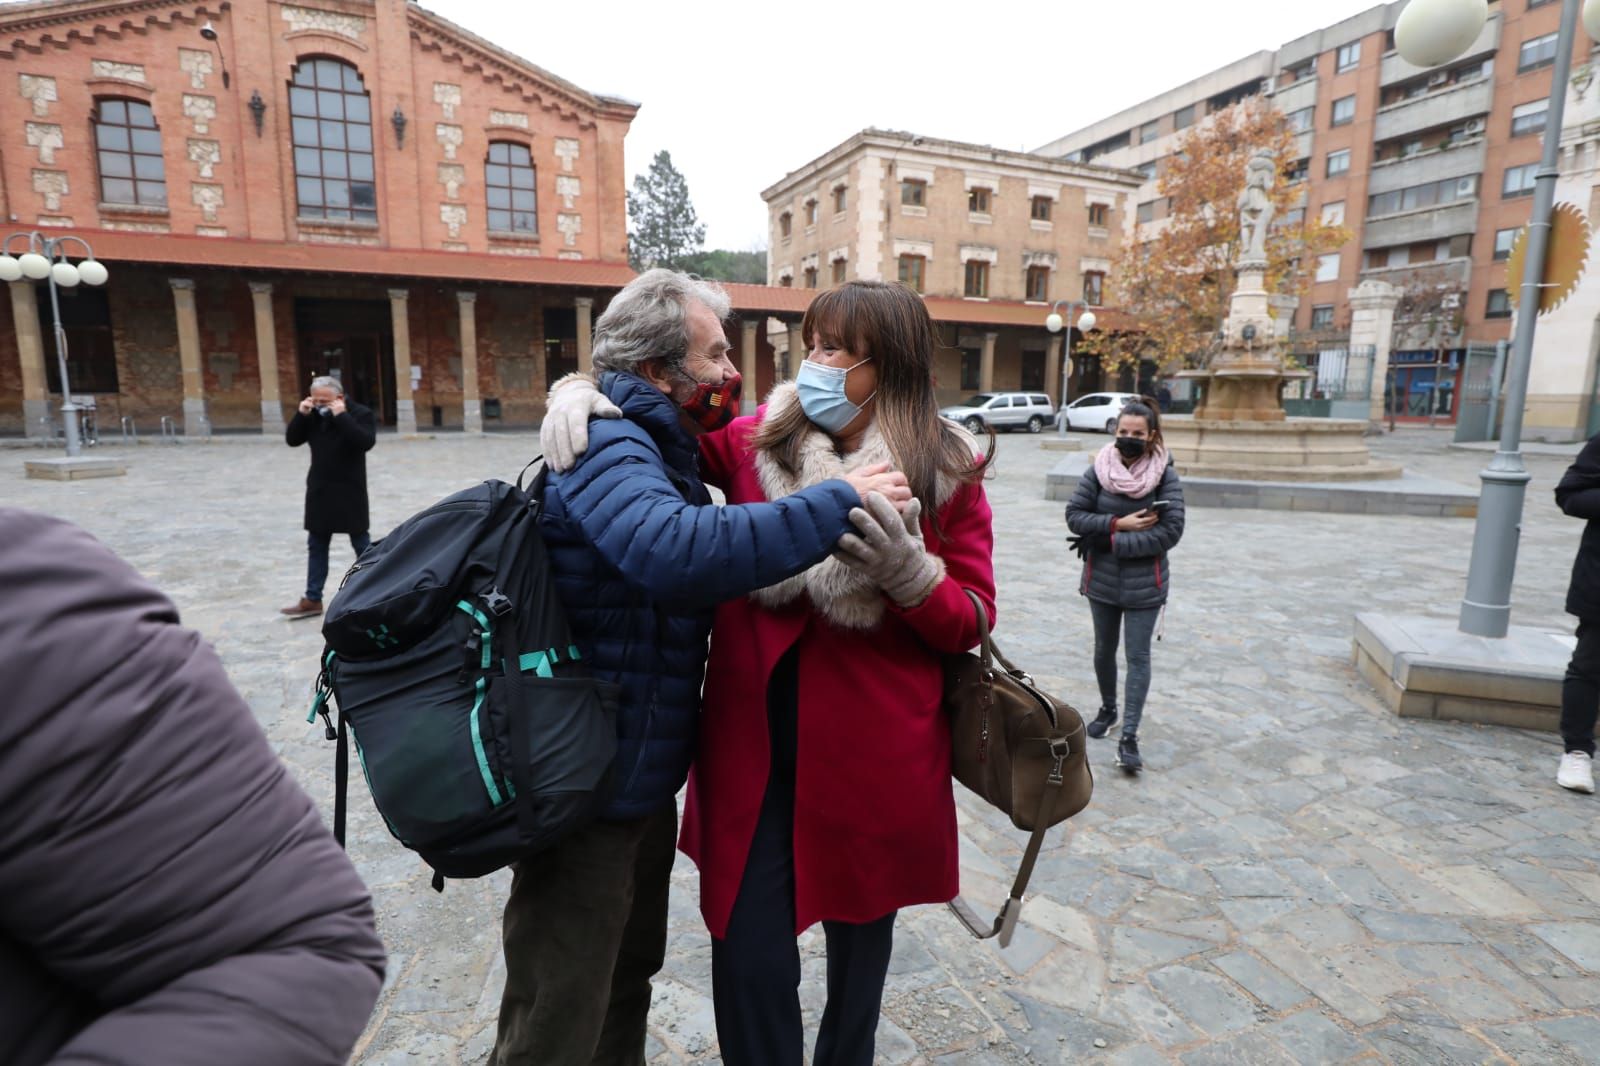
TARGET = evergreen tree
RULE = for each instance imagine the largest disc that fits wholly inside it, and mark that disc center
(665, 231)
(722, 265)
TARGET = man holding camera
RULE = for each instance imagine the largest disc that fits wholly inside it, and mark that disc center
(340, 434)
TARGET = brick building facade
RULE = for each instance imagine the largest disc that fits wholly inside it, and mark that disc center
(991, 237)
(354, 187)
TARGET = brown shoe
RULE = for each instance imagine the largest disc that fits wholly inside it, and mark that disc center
(304, 609)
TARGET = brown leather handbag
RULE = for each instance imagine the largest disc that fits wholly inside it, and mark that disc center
(1018, 748)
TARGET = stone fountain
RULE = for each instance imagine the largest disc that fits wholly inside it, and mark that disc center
(1239, 449)
(1240, 430)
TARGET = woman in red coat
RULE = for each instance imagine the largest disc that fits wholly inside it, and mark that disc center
(821, 791)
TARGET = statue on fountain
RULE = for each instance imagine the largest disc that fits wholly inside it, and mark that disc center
(1240, 431)
(1255, 209)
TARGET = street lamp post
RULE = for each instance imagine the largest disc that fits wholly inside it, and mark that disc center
(1054, 322)
(1428, 33)
(46, 260)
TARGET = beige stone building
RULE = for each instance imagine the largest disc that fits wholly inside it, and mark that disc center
(1564, 379)
(991, 237)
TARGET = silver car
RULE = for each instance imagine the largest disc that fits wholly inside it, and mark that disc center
(1002, 410)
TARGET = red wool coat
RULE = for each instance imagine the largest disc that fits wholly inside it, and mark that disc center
(875, 825)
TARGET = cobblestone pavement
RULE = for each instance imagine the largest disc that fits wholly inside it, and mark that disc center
(1299, 876)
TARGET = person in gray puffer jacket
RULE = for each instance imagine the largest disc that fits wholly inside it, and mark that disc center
(1126, 514)
(168, 893)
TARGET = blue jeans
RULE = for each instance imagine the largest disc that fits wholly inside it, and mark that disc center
(317, 559)
(1110, 621)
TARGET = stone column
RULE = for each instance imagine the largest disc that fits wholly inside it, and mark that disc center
(471, 407)
(1052, 370)
(267, 358)
(585, 309)
(405, 408)
(1372, 305)
(986, 364)
(797, 349)
(30, 346)
(747, 361)
(195, 423)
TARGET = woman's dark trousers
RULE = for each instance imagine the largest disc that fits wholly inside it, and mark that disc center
(755, 969)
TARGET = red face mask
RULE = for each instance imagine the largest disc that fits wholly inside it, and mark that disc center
(713, 406)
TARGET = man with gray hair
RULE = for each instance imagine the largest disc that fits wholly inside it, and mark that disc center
(641, 557)
(340, 433)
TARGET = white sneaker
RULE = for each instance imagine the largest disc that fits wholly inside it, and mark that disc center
(1577, 772)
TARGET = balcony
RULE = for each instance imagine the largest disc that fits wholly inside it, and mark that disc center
(1423, 224)
(1445, 273)
(1439, 164)
(1296, 97)
(1395, 69)
(1436, 109)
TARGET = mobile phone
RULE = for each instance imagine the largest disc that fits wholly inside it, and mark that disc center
(1159, 505)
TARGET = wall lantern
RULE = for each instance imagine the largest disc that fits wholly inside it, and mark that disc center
(258, 109)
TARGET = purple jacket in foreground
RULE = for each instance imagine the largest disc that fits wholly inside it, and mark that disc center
(168, 894)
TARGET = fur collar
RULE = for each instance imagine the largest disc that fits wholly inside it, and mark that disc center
(844, 597)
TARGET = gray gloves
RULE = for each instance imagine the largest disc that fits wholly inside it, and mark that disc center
(890, 551)
(564, 433)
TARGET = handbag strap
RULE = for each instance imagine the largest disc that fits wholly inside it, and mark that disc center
(988, 651)
(1005, 922)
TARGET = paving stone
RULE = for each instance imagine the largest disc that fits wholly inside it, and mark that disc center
(1310, 1037)
(1443, 853)
(1135, 1006)
(1413, 1044)
(1134, 949)
(1207, 1001)
(1411, 928)
(1320, 977)
(1244, 879)
(1578, 941)
(1528, 1043)
(1472, 1001)
(1052, 1034)
(1247, 1049)
(1261, 980)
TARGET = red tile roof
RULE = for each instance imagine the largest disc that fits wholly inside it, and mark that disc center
(1009, 313)
(772, 298)
(225, 252)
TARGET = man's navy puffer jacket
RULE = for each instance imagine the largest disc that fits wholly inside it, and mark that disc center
(642, 557)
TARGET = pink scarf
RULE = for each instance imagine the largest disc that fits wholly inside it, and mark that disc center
(1137, 480)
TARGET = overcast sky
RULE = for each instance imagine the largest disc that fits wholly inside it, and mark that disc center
(743, 93)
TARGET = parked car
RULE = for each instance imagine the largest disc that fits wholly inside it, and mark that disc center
(1097, 411)
(1003, 410)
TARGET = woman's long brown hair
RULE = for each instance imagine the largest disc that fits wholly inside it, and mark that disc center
(887, 323)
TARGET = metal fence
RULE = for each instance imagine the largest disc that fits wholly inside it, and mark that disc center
(1478, 392)
(1340, 385)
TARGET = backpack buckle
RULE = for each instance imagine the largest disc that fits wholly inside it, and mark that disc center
(497, 602)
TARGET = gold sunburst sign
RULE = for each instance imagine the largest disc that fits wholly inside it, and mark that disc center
(1564, 259)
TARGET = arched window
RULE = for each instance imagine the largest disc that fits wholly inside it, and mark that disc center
(332, 131)
(508, 186)
(128, 147)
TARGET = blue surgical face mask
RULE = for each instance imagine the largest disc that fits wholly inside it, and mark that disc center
(822, 395)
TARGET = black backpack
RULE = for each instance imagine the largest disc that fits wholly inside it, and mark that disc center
(481, 735)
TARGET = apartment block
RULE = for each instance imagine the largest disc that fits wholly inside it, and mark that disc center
(1431, 170)
(992, 237)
